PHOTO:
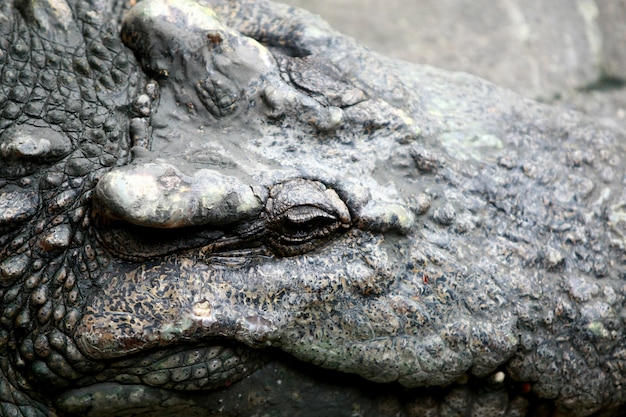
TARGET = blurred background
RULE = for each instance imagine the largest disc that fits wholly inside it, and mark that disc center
(567, 52)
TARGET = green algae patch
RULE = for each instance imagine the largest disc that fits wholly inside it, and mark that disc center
(468, 145)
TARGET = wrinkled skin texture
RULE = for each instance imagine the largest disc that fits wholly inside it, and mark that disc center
(241, 211)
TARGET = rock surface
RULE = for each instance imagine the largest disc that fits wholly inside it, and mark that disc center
(553, 51)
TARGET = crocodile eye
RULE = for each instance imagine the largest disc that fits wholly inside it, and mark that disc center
(303, 223)
(302, 215)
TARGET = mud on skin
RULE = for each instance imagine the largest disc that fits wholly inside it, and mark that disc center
(227, 209)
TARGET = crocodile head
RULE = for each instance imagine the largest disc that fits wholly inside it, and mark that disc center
(252, 213)
(277, 190)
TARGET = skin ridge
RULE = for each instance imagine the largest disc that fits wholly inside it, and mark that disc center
(475, 264)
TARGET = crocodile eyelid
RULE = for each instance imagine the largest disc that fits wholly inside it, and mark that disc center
(303, 214)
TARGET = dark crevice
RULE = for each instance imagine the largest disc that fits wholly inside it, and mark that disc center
(605, 83)
(138, 243)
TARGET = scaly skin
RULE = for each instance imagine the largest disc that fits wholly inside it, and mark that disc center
(241, 202)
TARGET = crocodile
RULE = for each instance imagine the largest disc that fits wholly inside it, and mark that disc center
(228, 208)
